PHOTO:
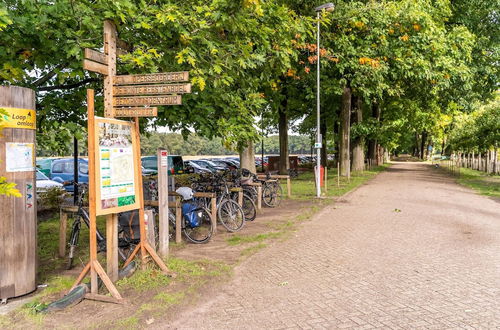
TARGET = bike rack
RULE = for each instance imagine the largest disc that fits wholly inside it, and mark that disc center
(277, 177)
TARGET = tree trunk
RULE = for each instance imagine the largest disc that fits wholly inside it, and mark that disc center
(323, 129)
(345, 132)
(372, 143)
(283, 135)
(422, 144)
(247, 158)
(358, 155)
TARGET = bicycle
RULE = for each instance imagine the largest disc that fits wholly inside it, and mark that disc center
(248, 204)
(271, 189)
(124, 243)
(196, 220)
(229, 213)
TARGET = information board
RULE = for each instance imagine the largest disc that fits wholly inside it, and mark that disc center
(117, 168)
(19, 157)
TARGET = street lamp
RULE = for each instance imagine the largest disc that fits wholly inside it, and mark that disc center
(326, 7)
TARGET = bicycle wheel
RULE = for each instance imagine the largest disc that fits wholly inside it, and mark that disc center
(249, 208)
(203, 232)
(73, 241)
(271, 194)
(252, 192)
(231, 215)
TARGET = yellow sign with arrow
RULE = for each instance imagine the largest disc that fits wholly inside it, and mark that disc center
(18, 118)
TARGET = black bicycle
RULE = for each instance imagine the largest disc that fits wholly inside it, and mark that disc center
(126, 241)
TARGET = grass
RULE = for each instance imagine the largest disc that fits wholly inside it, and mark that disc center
(241, 239)
(253, 249)
(483, 183)
(304, 188)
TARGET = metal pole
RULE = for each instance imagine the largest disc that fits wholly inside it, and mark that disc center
(262, 146)
(318, 133)
(75, 171)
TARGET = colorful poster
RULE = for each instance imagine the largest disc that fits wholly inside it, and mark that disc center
(19, 157)
(116, 166)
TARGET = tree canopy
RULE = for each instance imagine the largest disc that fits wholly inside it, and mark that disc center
(421, 63)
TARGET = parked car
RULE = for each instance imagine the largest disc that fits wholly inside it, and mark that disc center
(175, 163)
(195, 168)
(225, 163)
(62, 170)
(233, 160)
(148, 171)
(44, 165)
(208, 164)
(43, 183)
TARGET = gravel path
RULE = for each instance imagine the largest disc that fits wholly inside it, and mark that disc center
(411, 249)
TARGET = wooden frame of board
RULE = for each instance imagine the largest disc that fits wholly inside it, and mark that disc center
(136, 163)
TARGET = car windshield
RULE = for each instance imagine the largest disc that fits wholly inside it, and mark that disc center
(41, 176)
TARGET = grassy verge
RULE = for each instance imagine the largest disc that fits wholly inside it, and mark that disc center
(303, 188)
(483, 183)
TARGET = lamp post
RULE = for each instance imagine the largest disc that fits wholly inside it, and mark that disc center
(326, 7)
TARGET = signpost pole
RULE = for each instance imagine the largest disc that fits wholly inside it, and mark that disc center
(163, 202)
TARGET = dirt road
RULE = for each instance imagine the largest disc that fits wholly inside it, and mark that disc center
(411, 249)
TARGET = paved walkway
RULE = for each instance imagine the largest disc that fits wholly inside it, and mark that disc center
(411, 249)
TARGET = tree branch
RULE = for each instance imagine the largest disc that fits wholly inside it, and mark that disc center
(48, 76)
(69, 86)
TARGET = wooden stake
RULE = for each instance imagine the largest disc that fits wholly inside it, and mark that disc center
(338, 175)
(326, 179)
(214, 212)
(163, 210)
(63, 223)
(178, 215)
(112, 246)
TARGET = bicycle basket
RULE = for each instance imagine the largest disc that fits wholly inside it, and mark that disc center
(190, 215)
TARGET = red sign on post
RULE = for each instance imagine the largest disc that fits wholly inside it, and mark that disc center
(164, 159)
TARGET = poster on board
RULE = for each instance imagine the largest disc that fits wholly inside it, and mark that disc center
(117, 169)
(19, 157)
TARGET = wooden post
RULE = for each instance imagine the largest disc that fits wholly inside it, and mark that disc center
(150, 227)
(338, 174)
(240, 197)
(178, 215)
(92, 197)
(112, 246)
(289, 186)
(94, 267)
(63, 224)
(163, 202)
(259, 197)
(213, 202)
(326, 179)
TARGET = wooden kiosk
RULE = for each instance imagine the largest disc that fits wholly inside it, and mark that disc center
(18, 214)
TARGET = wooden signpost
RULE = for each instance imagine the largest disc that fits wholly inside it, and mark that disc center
(124, 96)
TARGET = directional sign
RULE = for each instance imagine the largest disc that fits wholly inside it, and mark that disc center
(136, 112)
(152, 89)
(96, 56)
(152, 78)
(147, 100)
(95, 67)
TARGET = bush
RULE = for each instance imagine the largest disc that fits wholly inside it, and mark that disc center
(52, 198)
